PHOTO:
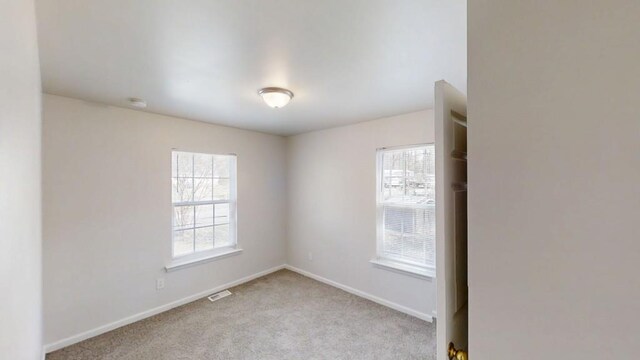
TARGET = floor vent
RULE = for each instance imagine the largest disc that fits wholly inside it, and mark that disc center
(220, 295)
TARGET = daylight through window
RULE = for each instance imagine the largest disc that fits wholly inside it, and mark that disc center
(406, 206)
(204, 202)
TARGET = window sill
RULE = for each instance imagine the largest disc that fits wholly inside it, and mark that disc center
(181, 264)
(415, 271)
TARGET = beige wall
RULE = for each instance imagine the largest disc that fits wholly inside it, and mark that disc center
(554, 174)
(107, 211)
(332, 207)
(20, 200)
(107, 231)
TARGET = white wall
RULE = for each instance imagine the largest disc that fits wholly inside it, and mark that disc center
(20, 200)
(332, 206)
(554, 174)
(107, 211)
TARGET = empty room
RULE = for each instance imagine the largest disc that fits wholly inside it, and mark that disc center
(296, 179)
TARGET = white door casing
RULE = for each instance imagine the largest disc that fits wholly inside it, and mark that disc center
(451, 218)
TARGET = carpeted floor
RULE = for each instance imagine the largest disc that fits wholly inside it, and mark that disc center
(283, 315)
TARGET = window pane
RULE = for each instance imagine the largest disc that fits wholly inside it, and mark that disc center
(394, 218)
(222, 214)
(175, 197)
(430, 174)
(393, 163)
(182, 242)
(203, 165)
(204, 215)
(182, 189)
(431, 160)
(393, 189)
(182, 217)
(222, 236)
(393, 176)
(408, 177)
(204, 238)
(426, 222)
(409, 234)
(416, 164)
(414, 249)
(221, 166)
(430, 191)
(392, 244)
(203, 190)
(185, 164)
(415, 189)
(197, 180)
(220, 189)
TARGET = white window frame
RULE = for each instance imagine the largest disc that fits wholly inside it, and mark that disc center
(380, 260)
(181, 261)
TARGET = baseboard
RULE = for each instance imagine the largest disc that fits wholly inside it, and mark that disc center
(362, 294)
(148, 313)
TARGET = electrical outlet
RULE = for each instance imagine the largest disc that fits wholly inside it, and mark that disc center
(310, 256)
(160, 283)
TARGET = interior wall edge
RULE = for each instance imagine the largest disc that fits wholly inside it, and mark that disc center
(123, 107)
(21, 321)
(331, 208)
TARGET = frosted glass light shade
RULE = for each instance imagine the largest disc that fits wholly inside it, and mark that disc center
(276, 97)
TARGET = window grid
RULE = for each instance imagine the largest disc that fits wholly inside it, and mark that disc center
(406, 205)
(190, 207)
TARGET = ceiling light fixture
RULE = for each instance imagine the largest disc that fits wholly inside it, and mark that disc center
(139, 103)
(275, 97)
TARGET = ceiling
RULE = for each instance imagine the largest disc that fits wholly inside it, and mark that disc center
(345, 60)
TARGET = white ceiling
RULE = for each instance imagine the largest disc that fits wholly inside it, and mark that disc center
(345, 60)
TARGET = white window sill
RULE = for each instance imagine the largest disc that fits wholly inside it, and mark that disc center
(415, 271)
(181, 264)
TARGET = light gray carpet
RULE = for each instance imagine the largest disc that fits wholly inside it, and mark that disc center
(283, 315)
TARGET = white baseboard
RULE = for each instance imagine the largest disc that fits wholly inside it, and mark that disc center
(362, 294)
(148, 313)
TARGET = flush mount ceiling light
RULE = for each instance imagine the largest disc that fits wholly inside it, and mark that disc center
(275, 97)
(139, 103)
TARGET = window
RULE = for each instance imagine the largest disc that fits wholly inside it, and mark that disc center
(406, 209)
(204, 202)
